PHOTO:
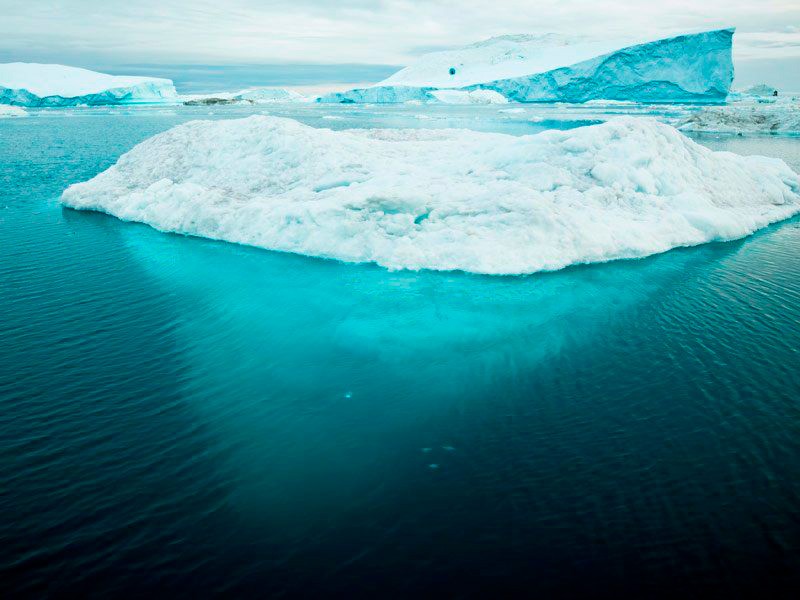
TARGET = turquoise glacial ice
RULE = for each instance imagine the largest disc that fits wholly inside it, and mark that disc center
(687, 68)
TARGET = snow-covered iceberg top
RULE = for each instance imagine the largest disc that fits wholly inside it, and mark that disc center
(779, 117)
(33, 84)
(687, 68)
(501, 57)
(443, 199)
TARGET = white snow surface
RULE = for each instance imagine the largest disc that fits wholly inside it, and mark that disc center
(443, 199)
(778, 117)
(473, 97)
(11, 111)
(44, 80)
(501, 57)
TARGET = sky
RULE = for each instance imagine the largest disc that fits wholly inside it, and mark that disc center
(336, 36)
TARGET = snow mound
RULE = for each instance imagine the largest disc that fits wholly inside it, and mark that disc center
(33, 84)
(551, 68)
(474, 97)
(11, 111)
(779, 117)
(443, 199)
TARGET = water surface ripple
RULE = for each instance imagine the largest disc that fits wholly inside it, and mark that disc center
(189, 417)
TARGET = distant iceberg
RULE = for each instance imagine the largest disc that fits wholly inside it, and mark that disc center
(443, 199)
(32, 84)
(762, 90)
(466, 97)
(11, 111)
(249, 96)
(778, 117)
(551, 68)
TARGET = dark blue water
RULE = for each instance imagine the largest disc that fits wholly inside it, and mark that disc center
(190, 418)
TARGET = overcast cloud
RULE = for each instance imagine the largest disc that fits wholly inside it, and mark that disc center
(358, 31)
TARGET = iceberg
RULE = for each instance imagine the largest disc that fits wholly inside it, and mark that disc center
(778, 117)
(32, 84)
(445, 199)
(552, 68)
(249, 96)
(270, 95)
(473, 97)
(760, 90)
(11, 111)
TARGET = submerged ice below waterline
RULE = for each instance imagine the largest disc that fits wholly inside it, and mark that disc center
(443, 199)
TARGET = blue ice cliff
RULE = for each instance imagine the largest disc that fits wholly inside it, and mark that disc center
(687, 68)
(32, 84)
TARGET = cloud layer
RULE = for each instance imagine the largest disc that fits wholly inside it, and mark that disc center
(359, 31)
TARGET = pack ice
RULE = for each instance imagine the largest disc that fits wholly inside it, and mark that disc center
(443, 199)
(552, 68)
(32, 84)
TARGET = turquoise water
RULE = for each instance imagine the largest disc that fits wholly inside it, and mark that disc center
(186, 416)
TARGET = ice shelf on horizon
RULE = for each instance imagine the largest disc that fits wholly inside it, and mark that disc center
(694, 67)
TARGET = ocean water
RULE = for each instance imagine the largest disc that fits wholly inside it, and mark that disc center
(191, 417)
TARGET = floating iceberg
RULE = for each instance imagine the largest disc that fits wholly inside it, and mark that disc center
(778, 117)
(32, 84)
(11, 111)
(443, 199)
(551, 68)
(268, 95)
(473, 97)
(250, 96)
(762, 89)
